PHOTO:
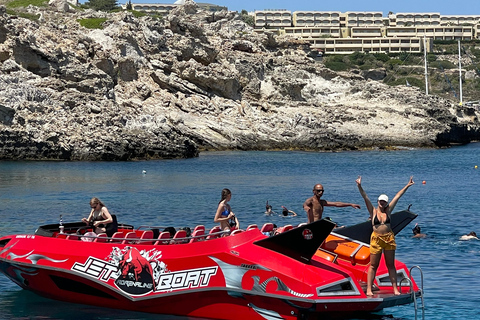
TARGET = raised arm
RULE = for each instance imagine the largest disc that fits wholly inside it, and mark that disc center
(340, 204)
(368, 203)
(400, 193)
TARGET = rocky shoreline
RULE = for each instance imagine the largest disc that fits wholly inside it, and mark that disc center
(144, 88)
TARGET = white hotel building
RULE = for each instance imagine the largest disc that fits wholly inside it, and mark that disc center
(347, 32)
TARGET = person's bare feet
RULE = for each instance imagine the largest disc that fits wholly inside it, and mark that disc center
(369, 293)
(396, 292)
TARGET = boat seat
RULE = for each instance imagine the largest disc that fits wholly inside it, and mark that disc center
(267, 229)
(117, 237)
(180, 237)
(302, 224)
(199, 227)
(215, 229)
(62, 236)
(324, 254)
(252, 226)
(346, 249)
(102, 237)
(130, 238)
(198, 235)
(146, 235)
(283, 229)
(163, 238)
(111, 228)
(214, 233)
(237, 231)
(73, 237)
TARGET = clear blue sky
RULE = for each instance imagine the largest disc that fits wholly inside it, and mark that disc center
(442, 6)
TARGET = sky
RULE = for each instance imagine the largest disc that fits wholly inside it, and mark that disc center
(463, 7)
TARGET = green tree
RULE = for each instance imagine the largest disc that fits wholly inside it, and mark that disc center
(102, 5)
(248, 19)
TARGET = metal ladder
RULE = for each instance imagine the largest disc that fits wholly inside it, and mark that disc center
(416, 295)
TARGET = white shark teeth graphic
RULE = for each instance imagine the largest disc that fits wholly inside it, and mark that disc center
(234, 275)
(262, 287)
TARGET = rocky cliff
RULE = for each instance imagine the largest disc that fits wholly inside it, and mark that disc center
(146, 88)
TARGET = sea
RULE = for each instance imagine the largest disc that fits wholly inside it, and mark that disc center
(185, 192)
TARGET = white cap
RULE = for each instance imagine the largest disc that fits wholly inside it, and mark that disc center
(383, 197)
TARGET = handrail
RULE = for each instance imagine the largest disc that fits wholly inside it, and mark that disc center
(420, 292)
(138, 240)
(350, 239)
(150, 227)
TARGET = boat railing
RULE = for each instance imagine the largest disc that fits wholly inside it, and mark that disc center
(132, 238)
(420, 294)
(150, 227)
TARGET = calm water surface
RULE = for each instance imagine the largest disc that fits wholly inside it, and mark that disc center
(185, 192)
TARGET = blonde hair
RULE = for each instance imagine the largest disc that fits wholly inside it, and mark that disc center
(95, 200)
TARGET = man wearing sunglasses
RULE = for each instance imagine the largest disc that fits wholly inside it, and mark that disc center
(314, 205)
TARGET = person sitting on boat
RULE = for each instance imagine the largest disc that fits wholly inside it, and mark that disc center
(314, 205)
(286, 212)
(382, 238)
(99, 216)
(417, 232)
(472, 235)
(224, 215)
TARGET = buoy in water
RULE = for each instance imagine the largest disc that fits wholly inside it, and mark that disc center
(476, 167)
(424, 182)
(144, 171)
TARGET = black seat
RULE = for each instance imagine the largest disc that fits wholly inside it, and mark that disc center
(111, 228)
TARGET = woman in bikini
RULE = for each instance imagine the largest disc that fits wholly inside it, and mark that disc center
(382, 238)
(224, 215)
(99, 216)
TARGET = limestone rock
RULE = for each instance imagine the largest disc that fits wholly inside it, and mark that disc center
(147, 88)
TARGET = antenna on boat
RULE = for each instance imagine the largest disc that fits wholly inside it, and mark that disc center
(60, 224)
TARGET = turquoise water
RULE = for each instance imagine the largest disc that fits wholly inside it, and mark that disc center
(186, 192)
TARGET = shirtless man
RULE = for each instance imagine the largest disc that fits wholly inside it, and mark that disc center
(314, 205)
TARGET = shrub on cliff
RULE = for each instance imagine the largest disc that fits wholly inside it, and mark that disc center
(92, 23)
(26, 3)
(102, 5)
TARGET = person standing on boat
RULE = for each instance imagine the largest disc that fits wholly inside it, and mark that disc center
(99, 216)
(314, 205)
(382, 238)
(224, 215)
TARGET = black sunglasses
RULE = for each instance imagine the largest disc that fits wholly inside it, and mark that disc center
(318, 190)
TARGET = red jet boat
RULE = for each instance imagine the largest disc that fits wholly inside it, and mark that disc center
(304, 272)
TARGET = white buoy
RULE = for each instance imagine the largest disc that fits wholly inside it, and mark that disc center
(144, 171)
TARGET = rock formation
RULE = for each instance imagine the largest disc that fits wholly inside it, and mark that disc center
(146, 88)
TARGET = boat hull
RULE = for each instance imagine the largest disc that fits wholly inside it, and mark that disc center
(234, 277)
